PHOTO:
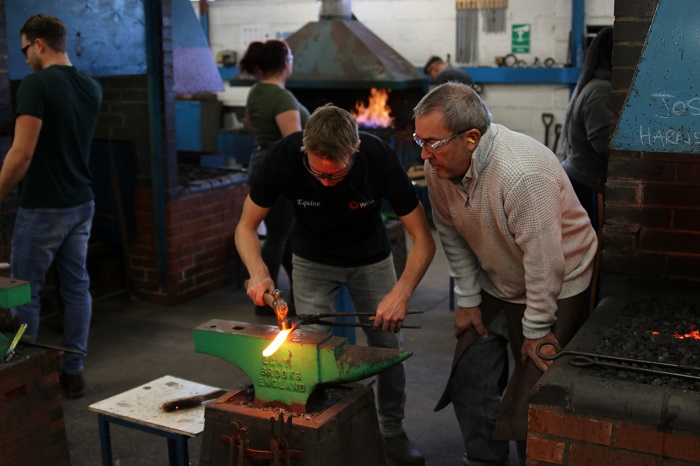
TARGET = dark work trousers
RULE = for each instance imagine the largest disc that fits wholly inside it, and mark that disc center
(511, 419)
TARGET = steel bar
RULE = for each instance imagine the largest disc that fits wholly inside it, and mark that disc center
(582, 359)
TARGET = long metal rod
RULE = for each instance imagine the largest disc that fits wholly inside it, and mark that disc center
(57, 348)
(582, 359)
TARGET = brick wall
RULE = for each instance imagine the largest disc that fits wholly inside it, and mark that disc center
(201, 255)
(651, 238)
(124, 117)
(558, 437)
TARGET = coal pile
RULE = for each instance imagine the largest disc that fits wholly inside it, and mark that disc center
(650, 329)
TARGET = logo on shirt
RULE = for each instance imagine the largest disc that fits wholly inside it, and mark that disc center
(354, 205)
(303, 203)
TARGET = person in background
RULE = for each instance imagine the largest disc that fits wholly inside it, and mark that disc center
(521, 250)
(272, 112)
(441, 73)
(583, 146)
(336, 178)
(57, 109)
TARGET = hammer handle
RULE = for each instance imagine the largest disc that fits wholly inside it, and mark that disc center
(267, 297)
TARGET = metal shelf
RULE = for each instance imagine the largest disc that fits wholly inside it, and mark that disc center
(524, 75)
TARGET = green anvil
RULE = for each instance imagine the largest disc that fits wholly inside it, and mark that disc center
(306, 360)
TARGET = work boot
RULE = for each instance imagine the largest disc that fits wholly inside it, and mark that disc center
(72, 385)
(400, 452)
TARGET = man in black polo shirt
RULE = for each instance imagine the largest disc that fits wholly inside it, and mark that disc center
(337, 178)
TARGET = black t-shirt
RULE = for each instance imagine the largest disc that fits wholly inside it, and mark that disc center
(339, 225)
(68, 102)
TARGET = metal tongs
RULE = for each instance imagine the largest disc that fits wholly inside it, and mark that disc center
(581, 359)
(330, 319)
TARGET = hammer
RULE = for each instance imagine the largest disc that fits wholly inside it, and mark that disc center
(278, 304)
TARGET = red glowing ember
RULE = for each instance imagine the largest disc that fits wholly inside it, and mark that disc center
(693, 335)
(377, 114)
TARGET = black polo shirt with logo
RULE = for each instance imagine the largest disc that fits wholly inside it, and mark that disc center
(339, 225)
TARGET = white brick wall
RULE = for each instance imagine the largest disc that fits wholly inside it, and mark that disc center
(417, 29)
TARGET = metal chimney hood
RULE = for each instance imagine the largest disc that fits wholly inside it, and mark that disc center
(339, 52)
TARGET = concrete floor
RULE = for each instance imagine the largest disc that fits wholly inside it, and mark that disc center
(132, 343)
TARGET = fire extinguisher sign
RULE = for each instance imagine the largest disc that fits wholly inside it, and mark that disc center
(520, 38)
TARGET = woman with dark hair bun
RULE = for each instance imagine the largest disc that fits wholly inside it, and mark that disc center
(272, 112)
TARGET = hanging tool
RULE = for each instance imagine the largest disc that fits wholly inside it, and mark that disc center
(557, 134)
(9, 354)
(547, 119)
(581, 359)
(467, 30)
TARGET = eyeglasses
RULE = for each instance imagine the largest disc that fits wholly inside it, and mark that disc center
(329, 176)
(436, 145)
(26, 47)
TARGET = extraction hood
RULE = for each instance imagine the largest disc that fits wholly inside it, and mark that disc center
(339, 52)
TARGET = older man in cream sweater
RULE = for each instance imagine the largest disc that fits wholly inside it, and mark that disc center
(521, 250)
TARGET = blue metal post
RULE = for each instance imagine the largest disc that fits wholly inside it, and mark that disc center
(578, 13)
(153, 22)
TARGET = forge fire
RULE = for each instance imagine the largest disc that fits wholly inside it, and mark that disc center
(377, 113)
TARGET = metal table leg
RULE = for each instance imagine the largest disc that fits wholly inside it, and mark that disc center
(178, 452)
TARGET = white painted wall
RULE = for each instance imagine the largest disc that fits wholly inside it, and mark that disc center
(417, 29)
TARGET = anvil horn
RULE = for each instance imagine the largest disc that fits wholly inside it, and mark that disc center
(306, 360)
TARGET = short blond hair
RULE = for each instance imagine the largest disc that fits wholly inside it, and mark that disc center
(330, 132)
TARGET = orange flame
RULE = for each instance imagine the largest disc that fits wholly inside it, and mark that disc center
(377, 114)
(276, 343)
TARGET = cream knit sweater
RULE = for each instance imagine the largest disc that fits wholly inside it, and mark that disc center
(520, 234)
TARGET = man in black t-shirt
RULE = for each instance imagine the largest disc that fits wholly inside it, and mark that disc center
(57, 110)
(337, 178)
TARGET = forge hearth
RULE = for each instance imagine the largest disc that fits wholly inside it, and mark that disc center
(654, 329)
(596, 416)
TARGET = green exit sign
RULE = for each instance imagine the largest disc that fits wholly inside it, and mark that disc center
(520, 38)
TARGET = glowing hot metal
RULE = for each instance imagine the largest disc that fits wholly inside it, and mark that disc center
(276, 343)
